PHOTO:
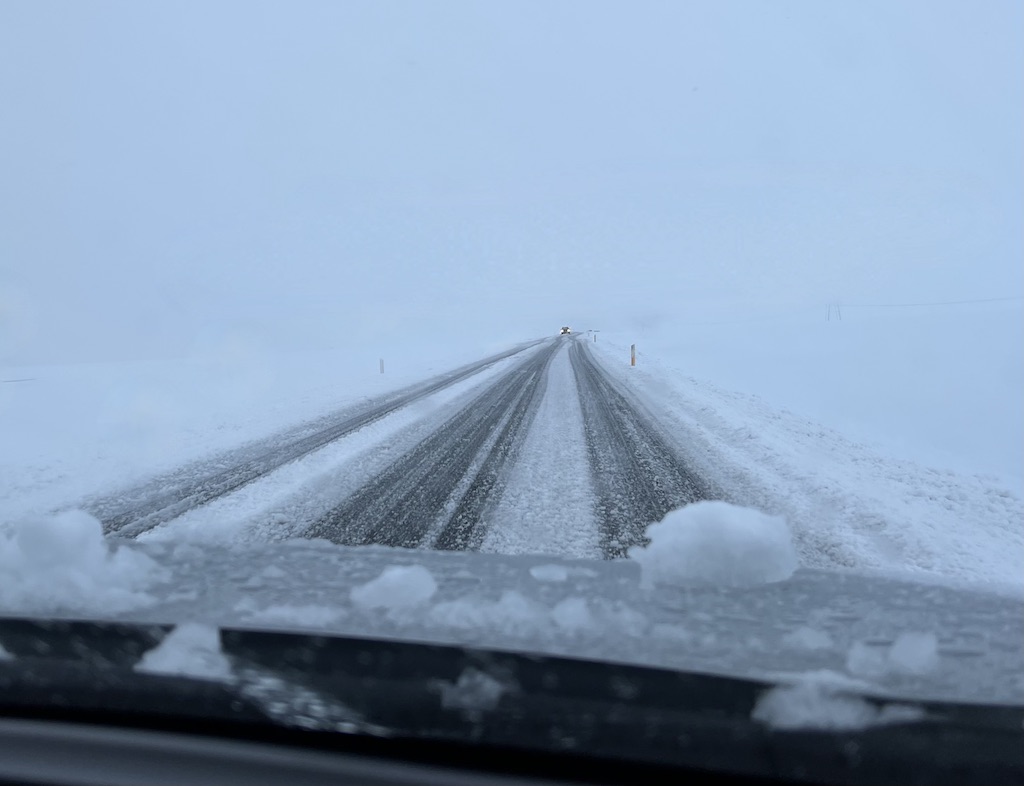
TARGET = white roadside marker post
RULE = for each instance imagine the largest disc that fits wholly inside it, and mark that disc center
(382, 365)
(632, 354)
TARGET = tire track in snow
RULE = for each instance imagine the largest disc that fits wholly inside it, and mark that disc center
(547, 506)
(137, 510)
(402, 504)
(637, 477)
(466, 528)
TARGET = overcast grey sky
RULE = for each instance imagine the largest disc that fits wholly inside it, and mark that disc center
(300, 172)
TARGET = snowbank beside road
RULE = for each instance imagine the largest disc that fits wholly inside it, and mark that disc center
(939, 386)
(848, 504)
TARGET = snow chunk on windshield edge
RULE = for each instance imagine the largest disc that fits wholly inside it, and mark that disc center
(474, 690)
(549, 572)
(912, 653)
(805, 638)
(190, 650)
(62, 563)
(290, 616)
(915, 653)
(397, 587)
(716, 543)
(812, 705)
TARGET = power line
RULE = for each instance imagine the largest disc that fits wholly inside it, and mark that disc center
(835, 311)
(772, 318)
(936, 303)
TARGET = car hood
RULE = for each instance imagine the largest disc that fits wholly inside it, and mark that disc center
(878, 635)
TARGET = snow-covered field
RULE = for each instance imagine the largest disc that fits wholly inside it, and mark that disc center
(73, 431)
(879, 461)
(939, 385)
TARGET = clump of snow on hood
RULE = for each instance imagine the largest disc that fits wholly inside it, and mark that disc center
(474, 690)
(671, 632)
(63, 563)
(4, 654)
(812, 705)
(716, 543)
(289, 615)
(912, 653)
(549, 572)
(915, 653)
(805, 638)
(515, 614)
(190, 650)
(865, 660)
(512, 612)
(269, 575)
(573, 614)
(397, 588)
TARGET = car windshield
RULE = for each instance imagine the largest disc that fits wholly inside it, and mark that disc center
(668, 334)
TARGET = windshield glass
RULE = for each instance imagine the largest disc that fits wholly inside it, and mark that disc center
(672, 334)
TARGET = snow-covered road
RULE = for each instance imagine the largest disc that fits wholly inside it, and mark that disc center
(540, 451)
(555, 447)
(134, 511)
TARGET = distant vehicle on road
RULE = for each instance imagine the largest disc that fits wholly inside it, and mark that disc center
(566, 331)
